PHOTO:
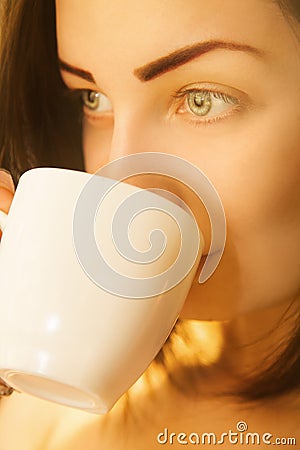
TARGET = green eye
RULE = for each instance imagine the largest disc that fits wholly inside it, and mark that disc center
(91, 99)
(96, 103)
(200, 103)
(204, 105)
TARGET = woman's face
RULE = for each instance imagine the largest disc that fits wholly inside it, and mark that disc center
(232, 110)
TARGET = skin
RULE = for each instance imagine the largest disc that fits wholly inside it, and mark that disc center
(251, 155)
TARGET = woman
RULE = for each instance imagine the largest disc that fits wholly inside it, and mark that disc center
(216, 83)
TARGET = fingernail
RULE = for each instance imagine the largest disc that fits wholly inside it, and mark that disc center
(6, 180)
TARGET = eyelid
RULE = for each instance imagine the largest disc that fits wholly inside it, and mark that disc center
(214, 88)
(241, 101)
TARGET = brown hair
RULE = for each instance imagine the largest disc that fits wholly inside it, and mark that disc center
(40, 125)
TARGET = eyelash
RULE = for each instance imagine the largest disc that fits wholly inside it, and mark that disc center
(180, 95)
(181, 99)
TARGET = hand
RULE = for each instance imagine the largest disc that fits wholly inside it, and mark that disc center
(7, 190)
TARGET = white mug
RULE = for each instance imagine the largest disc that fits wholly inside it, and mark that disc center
(66, 334)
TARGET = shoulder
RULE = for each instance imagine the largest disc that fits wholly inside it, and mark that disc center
(29, 423)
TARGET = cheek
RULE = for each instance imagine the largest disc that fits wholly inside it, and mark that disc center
(265, 182)
(262, 204)
(256, 172)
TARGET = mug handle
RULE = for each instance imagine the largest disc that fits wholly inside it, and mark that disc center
(5, 390)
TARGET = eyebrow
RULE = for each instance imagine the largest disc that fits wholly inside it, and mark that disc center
(84, 74)
(183, 55)
(170, 62)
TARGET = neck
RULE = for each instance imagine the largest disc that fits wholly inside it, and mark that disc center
(226, 357)
(256, 340)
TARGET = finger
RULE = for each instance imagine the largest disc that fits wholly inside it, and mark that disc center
(6, 198)
(7, 190)
(6, 180)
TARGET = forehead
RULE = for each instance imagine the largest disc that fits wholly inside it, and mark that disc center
(131, 33)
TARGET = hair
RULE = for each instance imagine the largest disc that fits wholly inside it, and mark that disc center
(40, 125)
(291, 8)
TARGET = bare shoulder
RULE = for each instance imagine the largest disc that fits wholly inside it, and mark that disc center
(28, 423)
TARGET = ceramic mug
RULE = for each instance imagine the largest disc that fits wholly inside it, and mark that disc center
(76, 328)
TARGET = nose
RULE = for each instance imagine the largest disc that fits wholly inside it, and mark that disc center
(126, 138)
(135, 132)
(127, 132)
(132, 133)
